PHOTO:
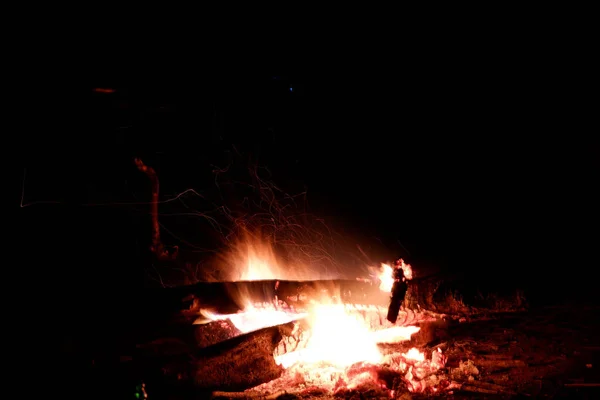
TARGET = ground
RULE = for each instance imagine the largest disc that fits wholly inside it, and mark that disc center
(547, 352)
(551, 352)
(544, 352)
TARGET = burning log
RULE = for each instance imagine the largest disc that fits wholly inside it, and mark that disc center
(174, 321)
(183, 303)
(183, 338)
(214, 332)
(314, 340)
(167, 313)
(239, 363)
(345, 291)
(399, 289)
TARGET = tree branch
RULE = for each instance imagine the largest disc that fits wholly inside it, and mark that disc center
(156, 246)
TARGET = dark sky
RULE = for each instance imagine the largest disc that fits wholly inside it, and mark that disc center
(471, 153)
(482, 164)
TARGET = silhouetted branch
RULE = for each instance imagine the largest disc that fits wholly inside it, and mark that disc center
(156, 246)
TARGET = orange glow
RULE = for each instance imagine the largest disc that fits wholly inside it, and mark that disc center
(386, 278)
(253, 258)
(386, 275)
(103, 90)
(331, 339)
(408, 273)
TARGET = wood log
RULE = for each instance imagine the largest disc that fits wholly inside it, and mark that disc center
(236, 364)
(298, 293)
(164, 323)
(184, 302)
(163, 311)
(179, 338)
(175, 339)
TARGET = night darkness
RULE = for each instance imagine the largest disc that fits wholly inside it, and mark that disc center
(478, 170)
(479, 164)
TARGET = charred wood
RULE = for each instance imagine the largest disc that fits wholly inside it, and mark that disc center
(175, 339)
(299, 293)
(398, 295)
(168, 315)
(236, 364)
(230, 297)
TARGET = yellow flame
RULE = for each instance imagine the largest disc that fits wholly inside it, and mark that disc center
(386, 278)
(253, 258)
(414, 354)
(337, 338)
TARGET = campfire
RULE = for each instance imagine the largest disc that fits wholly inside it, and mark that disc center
(255, 327)
(303, 334)
(330, 346)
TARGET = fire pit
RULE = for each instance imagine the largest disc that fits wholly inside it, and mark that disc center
(327, 337)
(335, 348)
(324, 339)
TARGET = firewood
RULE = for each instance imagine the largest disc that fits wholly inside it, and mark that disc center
(229, 297)
(236, 364)
(344, 290)
(182, 338)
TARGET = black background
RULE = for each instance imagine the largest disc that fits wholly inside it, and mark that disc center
(477, 158)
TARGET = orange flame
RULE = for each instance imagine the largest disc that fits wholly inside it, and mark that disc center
(386, 278)
(339, 338)
(253, 258)
(333, 332)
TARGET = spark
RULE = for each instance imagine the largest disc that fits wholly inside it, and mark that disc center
(264, 212)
